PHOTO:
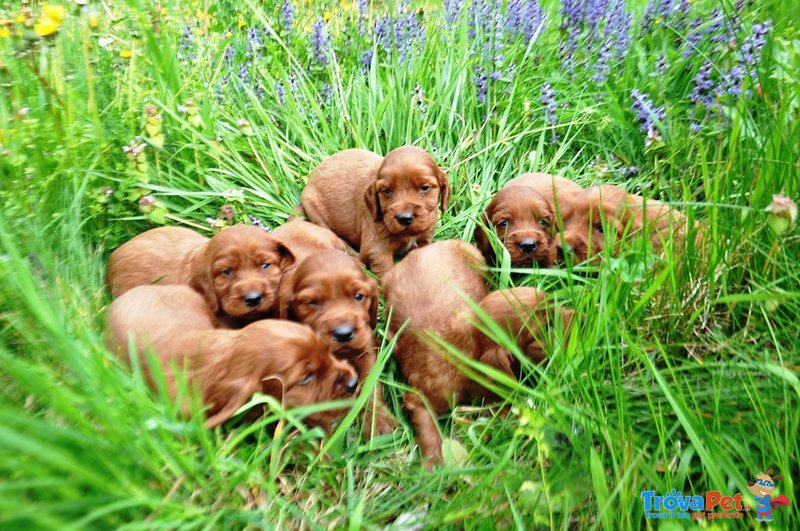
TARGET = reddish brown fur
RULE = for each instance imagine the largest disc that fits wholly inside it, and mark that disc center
(328, 291)
(174, 255)
(282, 359)
(304, 238)
(426, 290)
(524, 222)
(406, 181)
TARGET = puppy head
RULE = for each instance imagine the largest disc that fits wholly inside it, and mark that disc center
(406, 191)
(588, 217)
(523, 220)
(300, 368)
(329, 292)
(239, 270)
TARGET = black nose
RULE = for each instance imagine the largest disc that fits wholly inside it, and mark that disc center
(527, 246)
(351, 384)
(405, 218)
(252, 299)
(343, 333)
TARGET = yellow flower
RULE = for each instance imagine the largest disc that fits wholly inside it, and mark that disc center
(94, 21)
(21, 18)
(5, 33)
(242, 23)
(125, 54)
(54, 13)
(164, 11)
(45, 27)
(51, 19)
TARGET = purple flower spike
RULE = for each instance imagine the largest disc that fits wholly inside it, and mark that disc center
(648, 115)
(288, 15)
(320, 42)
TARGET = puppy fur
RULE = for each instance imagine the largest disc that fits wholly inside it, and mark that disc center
(329, 292)
(304, 238)
(279, 358)
(237, 271)
(523, 221)
(426, 290)
(381, 206)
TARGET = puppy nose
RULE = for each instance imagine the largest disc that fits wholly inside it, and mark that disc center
(405, 218)
(343, 333)
(252, 299)
(563, 252)
(351, 384)
(527, 246)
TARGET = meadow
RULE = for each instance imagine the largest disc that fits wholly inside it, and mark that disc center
(119, 116)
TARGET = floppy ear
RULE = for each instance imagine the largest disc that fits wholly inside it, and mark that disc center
(373, 302)
(499, 358)
(444, 188)
(481, 239)
(287, 257)
(202, 281)
(372, 201)
(239, 392)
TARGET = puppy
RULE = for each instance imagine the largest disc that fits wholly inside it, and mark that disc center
(304, 238)
(427, 291)
(524, 222)
(278, 358)
(381, 206)
(329, 292)
(237, 271)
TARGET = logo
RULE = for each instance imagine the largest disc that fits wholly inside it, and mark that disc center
(713, 505)
(762, 489)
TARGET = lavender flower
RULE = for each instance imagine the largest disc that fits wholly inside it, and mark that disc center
(288, 15)
(418, 99)
(648, 115)
(363, 16)
(452, 11)
(326, 94)
(399, 32)
(655, 10)
(320, 42)
(703, 93)
(550, 106)
(752, 45)
(661, 64)
(524, 17)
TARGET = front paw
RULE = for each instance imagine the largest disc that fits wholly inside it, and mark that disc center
(381, 423)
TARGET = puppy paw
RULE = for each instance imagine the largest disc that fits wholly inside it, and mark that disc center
(382, 424)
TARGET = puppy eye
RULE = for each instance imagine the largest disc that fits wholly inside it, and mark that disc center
(503, 224)
(307, 379)
(424, 188)
(313, 304)
(359, 297)
(227, 271)
(599, 228)
(265, 266)
(544, 223)
(386, 191)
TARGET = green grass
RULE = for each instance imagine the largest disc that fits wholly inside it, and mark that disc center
(683, 375)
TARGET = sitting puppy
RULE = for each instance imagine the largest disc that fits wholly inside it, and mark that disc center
(427, 290)
(278, 358)
(524, 222)
(237, 271)
(329, 292)
(304, 238)
(381, 206)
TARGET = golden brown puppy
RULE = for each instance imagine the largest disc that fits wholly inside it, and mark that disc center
(381, 206)
(427, 290)
(329, 292)
(304, 238)
(524, 222)
(237, 271)
(278, 358)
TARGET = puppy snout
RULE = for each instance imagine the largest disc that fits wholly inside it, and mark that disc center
(343, 333)
(405, 218)
(252, 299)
(351, 384)
(527, 246)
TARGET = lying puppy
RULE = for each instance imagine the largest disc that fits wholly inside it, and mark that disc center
(524, 222)
(278, 358)
(237, 271)
(382, 207)
(329, 292)
(304, 238)
(426, 290)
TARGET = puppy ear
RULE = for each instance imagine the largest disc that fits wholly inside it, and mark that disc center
(286, 295)
(499, 358)
(444, 188)
(238, 393)
(287, 257)
(373, 201)
(481, 239)
(202, 281)
(373, 302)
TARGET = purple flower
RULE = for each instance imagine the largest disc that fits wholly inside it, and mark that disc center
(656, 9)
(320, 42)
(399, 32)
(752, 45)
(363, 16)
(629, 171)
(524, 17)
(703, 92)
(288, 15)
(452, 11)
(649, 116)
(550, 104)
(661, 64)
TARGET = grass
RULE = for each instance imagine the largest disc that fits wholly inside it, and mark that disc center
(683, 375)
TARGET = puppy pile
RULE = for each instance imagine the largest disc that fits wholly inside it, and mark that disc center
(292, 313)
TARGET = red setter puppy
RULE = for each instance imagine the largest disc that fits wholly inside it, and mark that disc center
(237, 271)
(329, 292)
(426, 290)
(282, 359)
(304, 238)
(524, 222)
(381, 206)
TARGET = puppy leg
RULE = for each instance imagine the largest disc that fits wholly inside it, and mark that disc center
(428, 436)
(309, 208)
(378, 260)
(376, 419)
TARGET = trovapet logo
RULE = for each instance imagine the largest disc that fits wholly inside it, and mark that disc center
(762, 490)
